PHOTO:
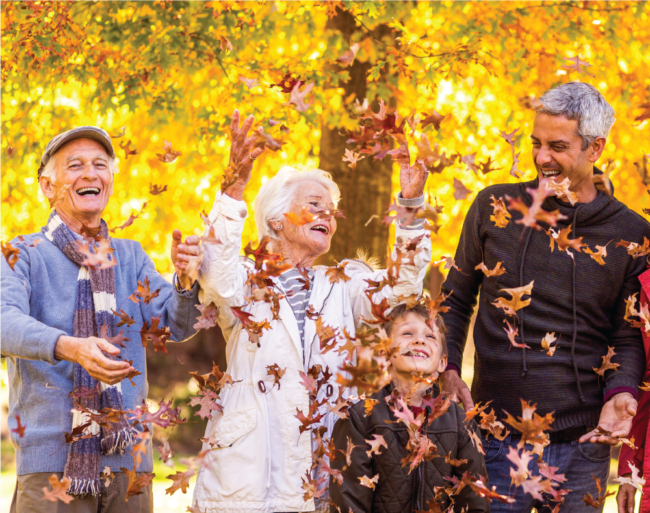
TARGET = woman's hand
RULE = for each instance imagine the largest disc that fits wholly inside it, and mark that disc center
(625, 498)
(241, 156)
(412, 180)
(186, 257)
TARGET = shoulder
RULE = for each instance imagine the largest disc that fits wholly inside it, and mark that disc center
(502, 189)
(379, 408)
(631, 221)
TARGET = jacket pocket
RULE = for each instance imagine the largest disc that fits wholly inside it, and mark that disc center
(233, 426)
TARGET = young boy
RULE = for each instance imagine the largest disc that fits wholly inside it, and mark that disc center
(400, 454)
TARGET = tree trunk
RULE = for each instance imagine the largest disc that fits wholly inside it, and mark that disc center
(365, 190)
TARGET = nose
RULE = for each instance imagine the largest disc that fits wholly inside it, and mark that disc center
(543, 157)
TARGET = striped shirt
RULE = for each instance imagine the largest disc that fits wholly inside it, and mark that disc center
(293, 285)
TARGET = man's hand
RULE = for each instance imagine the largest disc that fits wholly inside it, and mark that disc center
(616, 416)
(451, 383)
(412, 180)
(89, 353)
(185, 257)
(625, 498)
(241, 156)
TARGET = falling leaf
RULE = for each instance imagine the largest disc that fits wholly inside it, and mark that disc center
(434, 119)
(577, 65)
(599, 501)
(599, 254)
(531, 425)
(460, 191)
(136, 483)
(107, 475)
(376, 443)
(208, 317)
(562, 190)
(550, 472)
(121, 134)
(454, 462)
(158, 336)
(500, 215)
(497, 271)
(59, 490)
(510, 306)
(519, 473)
(101, 257)
(180, 481)
(249, 82)
(19, 429)
(297, 97)
(634, 249)
(513, 332)
(486, 167)
(369, 482)
(126, 146)
(514, 171)
(11, 151)
(531, 215)
(168, 155)
(637, 481)
(131, 219)
(352, 158)
(337, 274)
(643, 169)
(468, 160)
(143, 293)
(563, 242)
(11, 254)
(155, 190)
(641, 117)
(607, 363)
(277, 373)
(224, 44)
(348, 56)
(300, 219)
(548, 343)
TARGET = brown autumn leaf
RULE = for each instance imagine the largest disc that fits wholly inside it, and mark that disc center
(454, 462)
(124, 318)
(300, 219)
(645, 114)
(432, 119)
(548, 343)
(460, 191)
(131, 219)
(577, 65)
(497, 271)
(352, 158)
(20, 428)
(59, 490)
(599, 501)
(469, 161)
(107, 475)
(155, 190)
(500, 215)
(348, 56)
(180, 481)
(510, 306)
(562, 190)
(168, 155)
(11, 151)
(531, 425)
(643, 169)
(297, 97)
(224, 44)
(337, 274)
(249, 82)
(513, 333)
(509, 137)
(208, 317)
(59, 193)
(634, 249)
(11, 254)
(101, 257)
(599, 254)
(607, 363)
(136, 483)
(368, 405)
(531, 215)
(327, 336)
(166, 452)
(126, 146)
(635, 480)
(369, 482)
(486, 167)
(563, 242)
(277, 373)
(117, 340)
(158, 336)
(143, 293)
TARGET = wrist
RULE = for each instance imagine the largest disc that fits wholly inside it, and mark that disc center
(236, 191)
(66, 348)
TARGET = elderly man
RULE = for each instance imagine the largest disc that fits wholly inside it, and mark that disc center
(59, 301)
(573, 297)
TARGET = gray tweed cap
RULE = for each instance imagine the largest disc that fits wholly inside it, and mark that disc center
(82, 132)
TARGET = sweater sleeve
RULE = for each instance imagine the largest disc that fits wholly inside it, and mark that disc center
(351, 495)
(177, 310)
(22, 335)
(626, 339)
(462, 287)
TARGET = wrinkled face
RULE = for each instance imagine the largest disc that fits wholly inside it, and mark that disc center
(557, 150)
(313, 238)
(82, 165)
(420, 346)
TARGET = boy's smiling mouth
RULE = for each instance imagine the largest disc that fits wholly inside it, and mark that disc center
(417, 353)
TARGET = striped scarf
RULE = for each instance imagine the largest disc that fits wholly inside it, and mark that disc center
(93, 304)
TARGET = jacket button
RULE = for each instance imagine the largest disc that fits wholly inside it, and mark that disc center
(242, 214)
(400, 240)
(262, 386)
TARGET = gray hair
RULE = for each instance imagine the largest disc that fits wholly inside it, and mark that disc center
(584, 103)
(49, 171)
(276, 195)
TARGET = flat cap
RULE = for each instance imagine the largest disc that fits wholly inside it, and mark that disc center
(82, 132)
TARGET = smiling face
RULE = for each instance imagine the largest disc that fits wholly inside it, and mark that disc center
(421, 349)
(303, 244)
(558, 153)
(82, 165)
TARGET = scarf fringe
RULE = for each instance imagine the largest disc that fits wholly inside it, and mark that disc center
(116, 443)
(80, 488)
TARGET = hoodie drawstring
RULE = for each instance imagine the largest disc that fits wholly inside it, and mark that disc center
(575, 315)
(524, 370)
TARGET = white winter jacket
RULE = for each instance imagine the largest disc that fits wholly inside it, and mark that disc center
(261, 457)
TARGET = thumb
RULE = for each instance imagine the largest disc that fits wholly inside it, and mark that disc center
(107, 346)
(177, 237)
(631, 408)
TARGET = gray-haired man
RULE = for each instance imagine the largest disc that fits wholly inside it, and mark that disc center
(576, 296)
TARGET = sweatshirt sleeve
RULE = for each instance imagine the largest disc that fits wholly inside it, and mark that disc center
(626, 339)
(351, 495)
(462, 287)
(175, 309)
(22, 335)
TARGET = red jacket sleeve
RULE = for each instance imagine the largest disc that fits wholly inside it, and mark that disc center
(640, 423)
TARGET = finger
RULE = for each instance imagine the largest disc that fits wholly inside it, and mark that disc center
(467, 399)
(631, 408)
(193, 240)
(234, 125)
(108, 347)
(243, 132)
(184, 249)
(621, 499)
(107, 365)
(257, 152)
(586, 438)
(177, 237)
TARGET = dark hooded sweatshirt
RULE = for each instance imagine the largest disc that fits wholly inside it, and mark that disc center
(582, 303)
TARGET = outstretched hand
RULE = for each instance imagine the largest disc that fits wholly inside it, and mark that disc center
(412, 180)
(242, 154)
(615, 417)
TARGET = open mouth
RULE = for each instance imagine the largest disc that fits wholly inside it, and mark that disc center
(88, 191)
(417, 353)
(321, 228)
(549, 173)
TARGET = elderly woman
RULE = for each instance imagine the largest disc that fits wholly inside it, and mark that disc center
(260, 459)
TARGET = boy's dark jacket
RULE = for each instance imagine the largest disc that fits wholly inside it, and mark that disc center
(583, 303)
(397, 491)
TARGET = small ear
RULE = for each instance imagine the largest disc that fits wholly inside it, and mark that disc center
(442, 365)
(47, 187)
(597, 148)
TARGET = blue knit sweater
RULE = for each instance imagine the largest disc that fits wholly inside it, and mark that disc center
(38, 299)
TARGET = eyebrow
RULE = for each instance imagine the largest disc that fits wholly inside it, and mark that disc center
(559, 141)
(78, 157)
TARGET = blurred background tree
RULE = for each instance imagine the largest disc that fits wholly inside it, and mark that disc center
(150, 72)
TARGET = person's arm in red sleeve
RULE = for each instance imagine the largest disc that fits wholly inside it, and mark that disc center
(640, 423)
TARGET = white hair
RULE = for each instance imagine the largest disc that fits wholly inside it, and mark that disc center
(49, 171)
(584, 103)
(275, 196)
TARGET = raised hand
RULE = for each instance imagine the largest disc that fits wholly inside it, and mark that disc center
(412, 180)
(615, 417)
(242, 154)
(185, 257)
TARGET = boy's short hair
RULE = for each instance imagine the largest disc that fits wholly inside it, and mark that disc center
(422, 311)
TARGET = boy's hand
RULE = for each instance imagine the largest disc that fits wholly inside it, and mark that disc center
(451, 383)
